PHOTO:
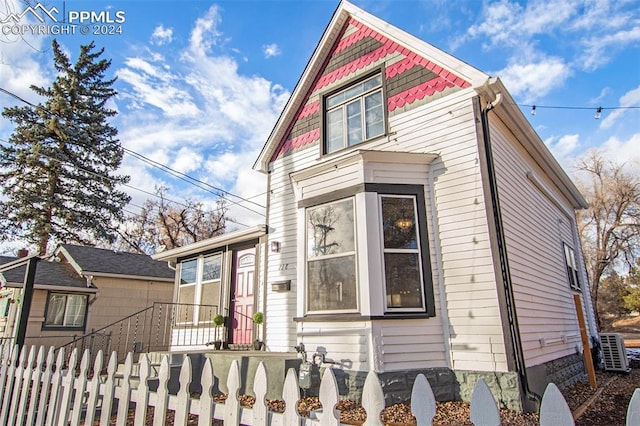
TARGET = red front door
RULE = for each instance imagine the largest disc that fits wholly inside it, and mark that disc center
(242, 299)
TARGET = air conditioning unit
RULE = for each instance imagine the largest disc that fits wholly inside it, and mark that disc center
(614, 352)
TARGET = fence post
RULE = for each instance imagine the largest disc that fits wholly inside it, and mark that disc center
(125, 391)
(633, 411)
(93, 388)
(423, 403)
(554, 410)
(373, 399)
(291, 395)
(329, 399)
(67, 380)
(182, 398)
(35, 389)
(206, 399)
(141, 395)
(260, 386)
(484, 410)
(162, 400)
(26, 385)
(56, 379)
(81, 386)
(232, 405)
(109, 389)
(46, 383)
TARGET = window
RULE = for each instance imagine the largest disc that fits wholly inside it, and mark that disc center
(199, 290)
(402, 257)
(66, 310)
(354, 115)
(572, 268)
(331, 257)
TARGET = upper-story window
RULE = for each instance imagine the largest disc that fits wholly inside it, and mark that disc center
(354, 115)
(572, 267)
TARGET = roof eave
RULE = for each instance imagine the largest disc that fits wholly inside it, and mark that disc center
(212, 243)
(509, 112)
(340, 16)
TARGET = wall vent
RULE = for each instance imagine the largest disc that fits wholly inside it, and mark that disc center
(614, 352)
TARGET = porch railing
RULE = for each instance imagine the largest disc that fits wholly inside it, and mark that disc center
(158, 327)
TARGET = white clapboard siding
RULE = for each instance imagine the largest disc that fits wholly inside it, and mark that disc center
(74, 386)
(535, 230)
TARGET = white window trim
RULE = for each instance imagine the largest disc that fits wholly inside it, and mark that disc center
(417, 251)
(334, 256)
(326, 110)
(199, 284)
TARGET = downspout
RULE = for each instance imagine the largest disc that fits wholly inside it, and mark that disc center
(502, 254)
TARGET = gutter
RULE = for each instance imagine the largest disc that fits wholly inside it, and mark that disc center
(512, 316)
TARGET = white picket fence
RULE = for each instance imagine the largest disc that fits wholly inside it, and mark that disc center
(34, 392)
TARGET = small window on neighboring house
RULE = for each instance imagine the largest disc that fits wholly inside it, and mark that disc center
(354, 115)
(199, 289)
(66, 311)
(403, 273)
(572, 268)
(331, 257)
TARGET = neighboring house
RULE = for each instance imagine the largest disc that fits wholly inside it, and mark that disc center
(416, 223)
(80, 289)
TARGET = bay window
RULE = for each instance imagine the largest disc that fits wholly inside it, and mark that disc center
(354, 114)
(386, 251)
(402, 258)
(331, 257)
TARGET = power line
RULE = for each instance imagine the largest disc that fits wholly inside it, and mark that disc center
(175, 173)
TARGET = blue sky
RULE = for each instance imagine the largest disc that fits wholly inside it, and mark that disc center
(201, 83)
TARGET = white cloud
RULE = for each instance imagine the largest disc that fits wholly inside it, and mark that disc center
(205, 33)
(187, 160)
(564, 148)
(600, 47)
(153, 85)
(629, 99)
(624, 151)
(511, 24)
(532, 80)
(211, 120)
(161, 35)
(271, 50)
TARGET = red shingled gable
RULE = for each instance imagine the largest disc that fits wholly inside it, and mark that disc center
(442, 80)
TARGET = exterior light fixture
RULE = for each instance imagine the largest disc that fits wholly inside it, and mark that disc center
(275, 246)
(598, 113)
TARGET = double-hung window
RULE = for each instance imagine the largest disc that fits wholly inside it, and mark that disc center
(199, 288)
(66, 311)
(404, 288)
(331, 257)
(354, 115)
(572, 268)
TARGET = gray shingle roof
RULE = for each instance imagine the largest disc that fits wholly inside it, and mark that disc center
(47, 274)
(91, 259)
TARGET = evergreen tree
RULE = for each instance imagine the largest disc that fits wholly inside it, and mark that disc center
(58, 168)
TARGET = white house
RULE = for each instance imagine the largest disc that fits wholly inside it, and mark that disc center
(416, 223)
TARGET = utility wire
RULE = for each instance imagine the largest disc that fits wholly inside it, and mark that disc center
(175, 173)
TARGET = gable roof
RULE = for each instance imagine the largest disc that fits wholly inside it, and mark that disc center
(392, 40)
(102, 262)
(49, 275)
